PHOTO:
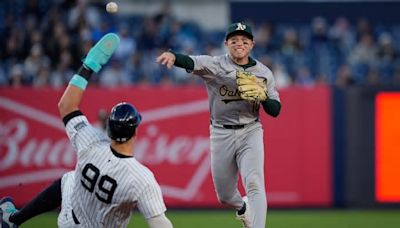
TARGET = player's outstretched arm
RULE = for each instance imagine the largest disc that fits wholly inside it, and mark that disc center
(160, 221)
(170, 58)
(70, 100)
(95, 59)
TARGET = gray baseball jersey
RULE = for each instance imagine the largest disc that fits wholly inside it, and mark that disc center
(226, 106)
(104, 189)
(239, 148)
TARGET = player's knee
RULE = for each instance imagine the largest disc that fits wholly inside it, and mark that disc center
(222, 202)
(254, 186)
(223, 198)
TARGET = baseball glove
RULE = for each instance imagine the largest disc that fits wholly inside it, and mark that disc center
(250, 87)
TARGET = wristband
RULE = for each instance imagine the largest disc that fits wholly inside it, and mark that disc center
(85, 72)
(78, 81)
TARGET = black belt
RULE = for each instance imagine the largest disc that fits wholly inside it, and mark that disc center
(76, 221)
(234, 127)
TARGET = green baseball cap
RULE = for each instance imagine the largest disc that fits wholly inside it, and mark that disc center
(239, 28)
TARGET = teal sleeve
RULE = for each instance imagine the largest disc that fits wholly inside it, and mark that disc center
(183, 61)
(272, 107)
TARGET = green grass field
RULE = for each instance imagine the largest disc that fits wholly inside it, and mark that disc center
(276, 219)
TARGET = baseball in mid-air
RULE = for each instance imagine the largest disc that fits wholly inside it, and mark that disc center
(112, 7)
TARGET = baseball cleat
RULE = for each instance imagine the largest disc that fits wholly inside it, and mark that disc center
(100, 53)
(245, 218)
(7, 208)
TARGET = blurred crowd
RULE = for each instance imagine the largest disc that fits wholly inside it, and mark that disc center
(42, 43)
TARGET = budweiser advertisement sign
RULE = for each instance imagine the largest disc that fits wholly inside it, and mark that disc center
(173, 141)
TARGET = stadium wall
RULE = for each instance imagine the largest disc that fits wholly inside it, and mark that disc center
(335, 148)
(366, 147)
(173, 142)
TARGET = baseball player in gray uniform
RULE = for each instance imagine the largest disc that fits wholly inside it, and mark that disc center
(108, 182)
(236, 135)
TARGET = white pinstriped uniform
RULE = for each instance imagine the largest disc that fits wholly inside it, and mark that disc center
(104, 189)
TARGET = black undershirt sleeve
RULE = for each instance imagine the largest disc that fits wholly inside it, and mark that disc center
(71, 115)
(272, 107)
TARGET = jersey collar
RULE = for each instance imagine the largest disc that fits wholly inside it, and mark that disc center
(118, 155)
(251, 63)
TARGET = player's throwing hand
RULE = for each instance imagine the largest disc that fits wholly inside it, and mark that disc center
(166, 58)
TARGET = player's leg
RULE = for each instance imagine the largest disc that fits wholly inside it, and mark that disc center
(223, 167)
(47, 200)
(65, 218)
(251, 165)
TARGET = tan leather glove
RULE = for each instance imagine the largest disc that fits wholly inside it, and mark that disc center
(250, 87)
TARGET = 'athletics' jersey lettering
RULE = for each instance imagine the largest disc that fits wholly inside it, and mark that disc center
(225, 91)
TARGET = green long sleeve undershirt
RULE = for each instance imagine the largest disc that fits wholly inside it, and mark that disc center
(271, 107)
(183, 61)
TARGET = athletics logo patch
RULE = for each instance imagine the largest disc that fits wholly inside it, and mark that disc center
(240, 26)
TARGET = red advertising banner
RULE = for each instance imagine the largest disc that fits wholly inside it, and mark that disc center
(172, 141)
